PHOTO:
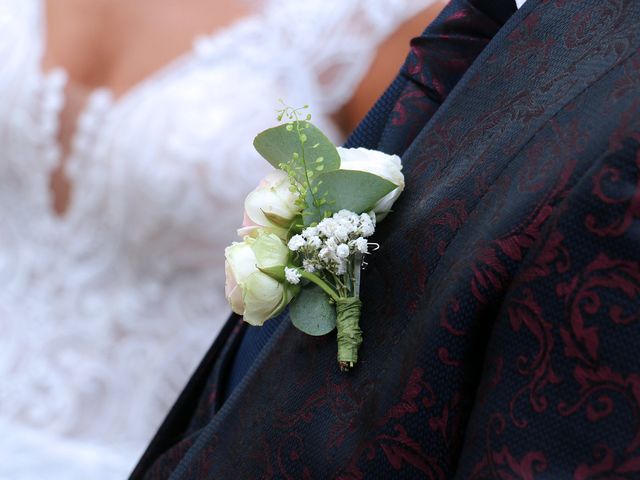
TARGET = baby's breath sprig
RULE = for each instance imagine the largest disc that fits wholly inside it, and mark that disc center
(331, 254)
(298, 167)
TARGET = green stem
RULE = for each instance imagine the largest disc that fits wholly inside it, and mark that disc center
(321, 283)
(349, 333)
(304, 161)
(340, 286)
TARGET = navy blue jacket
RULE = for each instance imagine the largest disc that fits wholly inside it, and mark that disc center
(502, 314)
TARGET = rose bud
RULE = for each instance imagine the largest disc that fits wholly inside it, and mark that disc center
(256, 295)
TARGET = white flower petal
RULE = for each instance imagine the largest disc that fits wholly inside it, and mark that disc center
(292, 275)
(342, 251)
(241, 259)
(270, 251)
(272, 196)
(262, 296)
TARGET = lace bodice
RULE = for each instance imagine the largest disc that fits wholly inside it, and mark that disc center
(105, 311)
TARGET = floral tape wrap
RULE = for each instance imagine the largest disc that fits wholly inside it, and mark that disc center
(349, 333)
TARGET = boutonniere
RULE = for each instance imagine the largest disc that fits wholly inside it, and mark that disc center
(306, 229)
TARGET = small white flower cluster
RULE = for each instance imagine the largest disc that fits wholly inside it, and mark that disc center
(330, 244)
(292, 275)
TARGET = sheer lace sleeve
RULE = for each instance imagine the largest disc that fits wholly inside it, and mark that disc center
(336, 41)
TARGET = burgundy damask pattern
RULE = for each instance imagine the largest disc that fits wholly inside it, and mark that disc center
(436, 62)
(581, 307)
(502, 314)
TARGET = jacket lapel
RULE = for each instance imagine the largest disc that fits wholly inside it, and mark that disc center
(180, 418)
(534, 67)
(475, 29)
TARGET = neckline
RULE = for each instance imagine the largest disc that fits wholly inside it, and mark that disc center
(110, 103)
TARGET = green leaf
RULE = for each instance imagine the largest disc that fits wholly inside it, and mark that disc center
(312, 313)
(297, 225)
(351, 190)
(277, 273)
(278, 145)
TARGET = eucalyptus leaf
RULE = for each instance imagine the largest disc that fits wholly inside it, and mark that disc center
(351, 190)
(278, 145)
(297, 225)
(312, 313)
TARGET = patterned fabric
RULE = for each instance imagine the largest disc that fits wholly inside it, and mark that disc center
(421, 87)
(106, 309)
(501, 315)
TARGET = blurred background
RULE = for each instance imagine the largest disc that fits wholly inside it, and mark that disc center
(126, 133)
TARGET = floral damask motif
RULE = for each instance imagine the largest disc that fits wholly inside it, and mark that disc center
(400, 448)
(490, 273)
(290, 453)
(606, 188)
(553, 257)
(629, 83)
(446, 217)
(601, 386)
(606, 289)
(411, 113)
(491, 270)
(607, 466)
(527, 313)
(581, 31)
(449, 312)
(500, 463)
(586, 296)
(523, 53)
(342, 399)
(447, 424)
(410, 401)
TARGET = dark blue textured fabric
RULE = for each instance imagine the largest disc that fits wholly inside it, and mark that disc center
(253, 341)
(426, 95)
(462, 19)
(501, 315)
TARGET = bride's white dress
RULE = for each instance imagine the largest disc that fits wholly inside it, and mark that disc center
(106, 309)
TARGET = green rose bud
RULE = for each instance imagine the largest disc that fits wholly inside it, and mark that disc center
(252, 293)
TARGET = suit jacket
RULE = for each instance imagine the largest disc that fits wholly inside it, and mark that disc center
(501, 316)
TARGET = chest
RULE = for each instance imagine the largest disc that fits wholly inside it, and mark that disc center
(117, 44)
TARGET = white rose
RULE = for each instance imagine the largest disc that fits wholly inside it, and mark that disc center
(270, 207)
(386, 166)
(251, 293)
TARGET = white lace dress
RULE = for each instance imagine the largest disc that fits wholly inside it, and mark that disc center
(105, 311)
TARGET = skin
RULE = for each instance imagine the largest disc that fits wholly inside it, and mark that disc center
(150, 34)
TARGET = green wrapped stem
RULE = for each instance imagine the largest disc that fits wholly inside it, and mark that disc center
(349, 333)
